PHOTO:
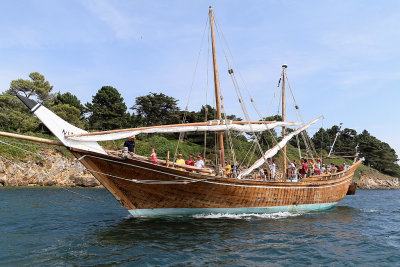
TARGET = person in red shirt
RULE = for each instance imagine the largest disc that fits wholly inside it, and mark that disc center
(190, 161)
(153, 158)
(304, 168)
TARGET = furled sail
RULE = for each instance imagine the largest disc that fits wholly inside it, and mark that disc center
(241, 126)
(271, 152)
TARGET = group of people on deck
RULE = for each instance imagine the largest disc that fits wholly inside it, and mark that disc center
(305, 168)
(227, 170)
(199, 163)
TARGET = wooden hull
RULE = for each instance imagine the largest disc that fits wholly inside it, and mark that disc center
(144, 189)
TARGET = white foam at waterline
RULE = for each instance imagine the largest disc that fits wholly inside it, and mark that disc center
(247, 216)
(370, 210)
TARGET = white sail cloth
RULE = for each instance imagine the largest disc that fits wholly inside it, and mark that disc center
(271, 152)
(180, 129)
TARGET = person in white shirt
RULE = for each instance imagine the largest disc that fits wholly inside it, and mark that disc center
(345, 166)
(199, 162)
(272, 167)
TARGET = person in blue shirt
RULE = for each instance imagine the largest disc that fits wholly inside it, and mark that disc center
(130, 144)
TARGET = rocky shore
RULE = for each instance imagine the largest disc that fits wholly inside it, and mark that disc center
(55, 170)
(377, 180)
(58, 170)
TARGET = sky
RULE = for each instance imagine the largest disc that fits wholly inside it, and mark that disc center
(342, 56)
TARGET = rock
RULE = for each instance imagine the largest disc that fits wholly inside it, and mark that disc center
(23, 183)
(56, 170)
(11, 182)
(85, 181)
(50, 183)
(376, 180)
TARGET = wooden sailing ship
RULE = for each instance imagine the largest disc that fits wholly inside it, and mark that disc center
(144, 188)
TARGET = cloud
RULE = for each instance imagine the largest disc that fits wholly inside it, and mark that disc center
(122, 25)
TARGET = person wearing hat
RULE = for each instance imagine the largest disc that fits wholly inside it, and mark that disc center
(228, 168)
(199, 162)
(180, 160)
(130, 144)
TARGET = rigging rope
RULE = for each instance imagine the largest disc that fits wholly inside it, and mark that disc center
(5, 159)
(82, 195)
(181, 135)
(27, 151)
(307, 140)
(228, 132)
(298, 145)
(235, 84)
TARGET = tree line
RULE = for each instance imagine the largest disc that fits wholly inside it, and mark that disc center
(378, 155)
(108, 111)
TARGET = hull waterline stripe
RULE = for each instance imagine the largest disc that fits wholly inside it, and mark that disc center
(208, 181)
(247, 210)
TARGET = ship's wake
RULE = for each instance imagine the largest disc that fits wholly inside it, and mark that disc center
(247, 216)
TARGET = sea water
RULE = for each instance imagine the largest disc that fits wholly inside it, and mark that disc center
(85, 227)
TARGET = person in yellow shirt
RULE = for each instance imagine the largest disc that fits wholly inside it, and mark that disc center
(228, 168)
(181, 161)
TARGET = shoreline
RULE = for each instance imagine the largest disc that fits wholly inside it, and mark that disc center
(59, 171)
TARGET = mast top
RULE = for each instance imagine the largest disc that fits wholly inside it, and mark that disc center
(284, 66)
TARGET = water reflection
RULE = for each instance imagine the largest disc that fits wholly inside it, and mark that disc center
(49, 227)
(250, 231)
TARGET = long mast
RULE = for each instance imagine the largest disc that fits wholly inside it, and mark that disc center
(284, 167)
(216, 85)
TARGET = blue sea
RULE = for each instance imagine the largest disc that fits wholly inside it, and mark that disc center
(87, 227)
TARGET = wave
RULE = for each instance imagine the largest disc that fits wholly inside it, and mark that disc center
(278, 215)
(369, 210)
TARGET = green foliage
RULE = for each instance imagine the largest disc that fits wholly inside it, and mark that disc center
(156, 109)
(70, 99)
(346, 140)
(10, 152)
(377, 154)
(69, 113)
(267, 138)
(323, 140)
(107, 110)
(37, 87)
(14, 116)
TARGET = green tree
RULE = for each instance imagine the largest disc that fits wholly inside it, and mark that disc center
(269, 138)
(377, 154)
(107, 110)
(70, 114)
(156, 109)
(347, 140)
(37, 88)
(70, 99)
(322, 140)
(14, 116)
